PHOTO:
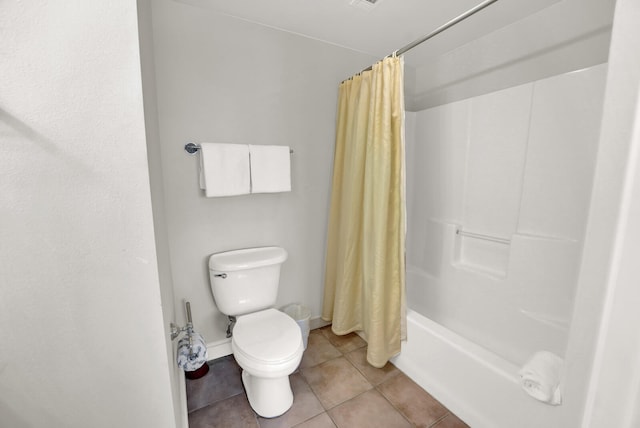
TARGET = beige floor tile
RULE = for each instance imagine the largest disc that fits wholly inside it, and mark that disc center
(222, 381)
(345, 343)
(420, 408)
(305, 406)
(321, 421)
(374, 375)
(319, 350)
(341, 383)
(451, 421)
(233, 412)
(335, 381)
(367, 410)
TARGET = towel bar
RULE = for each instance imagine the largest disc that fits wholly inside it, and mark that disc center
(192, 148)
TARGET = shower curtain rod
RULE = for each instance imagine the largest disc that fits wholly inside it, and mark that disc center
(440, 29)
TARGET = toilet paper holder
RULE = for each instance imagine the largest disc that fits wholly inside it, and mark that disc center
(176, 330)
(191, 353)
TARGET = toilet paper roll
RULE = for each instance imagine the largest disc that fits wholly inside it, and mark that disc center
(192, 358)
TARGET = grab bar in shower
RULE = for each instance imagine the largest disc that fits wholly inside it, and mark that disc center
(497, 239)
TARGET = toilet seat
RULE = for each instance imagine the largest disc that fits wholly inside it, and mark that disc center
(267, 338)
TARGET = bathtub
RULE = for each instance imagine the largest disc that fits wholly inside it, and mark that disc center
(477, 385)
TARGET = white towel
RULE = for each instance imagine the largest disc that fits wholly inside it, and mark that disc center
(191, 358)
(270, 169)
(540, 377)
(224, 169)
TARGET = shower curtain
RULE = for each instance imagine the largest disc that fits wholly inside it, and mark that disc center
(365, 267)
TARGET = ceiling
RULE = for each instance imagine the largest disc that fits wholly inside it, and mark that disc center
(383, 28)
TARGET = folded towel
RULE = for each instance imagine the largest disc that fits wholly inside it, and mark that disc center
(224, 169)
(192, 356)
(270, 169)
(540, 377)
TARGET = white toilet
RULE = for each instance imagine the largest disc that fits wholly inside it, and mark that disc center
(266, 343)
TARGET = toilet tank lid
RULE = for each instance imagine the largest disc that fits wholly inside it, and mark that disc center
(248, 258)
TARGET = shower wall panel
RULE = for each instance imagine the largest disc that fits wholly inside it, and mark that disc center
(515, 164)
(561, 154)
(498, 128)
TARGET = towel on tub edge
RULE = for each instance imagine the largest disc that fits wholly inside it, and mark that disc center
(540, 377)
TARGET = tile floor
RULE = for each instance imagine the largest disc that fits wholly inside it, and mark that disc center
(334, 387)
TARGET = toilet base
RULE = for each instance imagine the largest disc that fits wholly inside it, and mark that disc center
(268, 397)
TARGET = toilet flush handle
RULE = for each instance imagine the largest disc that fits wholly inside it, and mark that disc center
(220, 275)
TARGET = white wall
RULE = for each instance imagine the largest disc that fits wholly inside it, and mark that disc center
(83, 342)
(569, 35)
(515, 164)
(158, 202)
(220, 79)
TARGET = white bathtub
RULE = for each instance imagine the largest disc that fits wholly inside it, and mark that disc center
(475, 384)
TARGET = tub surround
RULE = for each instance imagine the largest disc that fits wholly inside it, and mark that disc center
(517, 165)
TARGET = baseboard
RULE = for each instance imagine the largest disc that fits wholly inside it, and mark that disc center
(219, 349)
(318, 322)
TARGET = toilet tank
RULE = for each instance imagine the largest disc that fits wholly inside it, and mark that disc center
(244, 281)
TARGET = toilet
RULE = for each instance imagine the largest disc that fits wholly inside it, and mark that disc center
(266, 343)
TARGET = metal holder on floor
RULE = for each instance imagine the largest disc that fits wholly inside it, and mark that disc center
(175, 330)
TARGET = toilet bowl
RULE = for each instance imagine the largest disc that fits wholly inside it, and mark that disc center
(268, 346)
(266, 343)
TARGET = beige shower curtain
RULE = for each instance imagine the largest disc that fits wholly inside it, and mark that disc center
(365, 273)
